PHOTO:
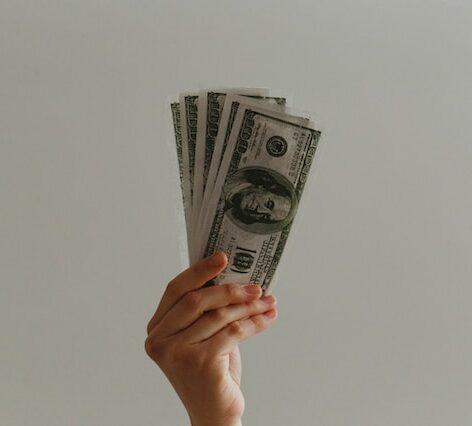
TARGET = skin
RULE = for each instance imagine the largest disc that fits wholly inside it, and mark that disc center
(194, 335)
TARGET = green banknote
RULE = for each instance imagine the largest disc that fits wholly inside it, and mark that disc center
(257, 192)
(188, 118)
(175, 109)
(228, 114)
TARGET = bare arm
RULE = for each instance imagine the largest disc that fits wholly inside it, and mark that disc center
(194, 336)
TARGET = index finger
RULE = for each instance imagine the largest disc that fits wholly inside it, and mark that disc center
(190, 279)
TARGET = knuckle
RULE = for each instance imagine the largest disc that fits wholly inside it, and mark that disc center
(192, 300)
(172, 287)
(149, 327)
(166, 352)
(218, 315)
(252, 308)
(255, 306)
(258, 322)
(154, 349)
(236, 329)
(148, 346)
(233, 291)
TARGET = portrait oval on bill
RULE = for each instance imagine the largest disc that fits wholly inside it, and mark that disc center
(259, 200)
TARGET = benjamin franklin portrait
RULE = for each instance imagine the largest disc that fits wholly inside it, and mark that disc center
(259, 200)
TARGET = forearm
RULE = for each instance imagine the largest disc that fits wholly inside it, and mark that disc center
(236, 422)
(194, 334)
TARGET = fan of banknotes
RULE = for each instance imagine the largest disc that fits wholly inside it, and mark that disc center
(243, 160)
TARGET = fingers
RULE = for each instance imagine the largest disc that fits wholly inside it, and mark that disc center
(237, 331)
(195, 303)
(213, 321)
(190, 279)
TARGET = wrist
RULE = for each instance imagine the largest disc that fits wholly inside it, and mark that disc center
(223, 422)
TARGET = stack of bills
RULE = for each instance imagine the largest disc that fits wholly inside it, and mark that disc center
(243, 160)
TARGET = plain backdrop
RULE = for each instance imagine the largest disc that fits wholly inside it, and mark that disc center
(375, 294)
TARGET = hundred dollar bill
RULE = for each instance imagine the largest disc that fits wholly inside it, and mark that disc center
(226, 123)
(175, 109)
(188, 116)
(210, 106)
(257, 192)
(228, 114)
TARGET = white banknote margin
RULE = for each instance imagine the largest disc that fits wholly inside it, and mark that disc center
(282, 93)
(214, 169)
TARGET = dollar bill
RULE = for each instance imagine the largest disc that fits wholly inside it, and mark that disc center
(226, 123)
(175, 109)
(189, 116)
(210, 106)
(228, 114)
(257, 192)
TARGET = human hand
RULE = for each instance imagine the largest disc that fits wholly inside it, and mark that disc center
(194, 336)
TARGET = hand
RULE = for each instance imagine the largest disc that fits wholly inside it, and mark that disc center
(194, 336)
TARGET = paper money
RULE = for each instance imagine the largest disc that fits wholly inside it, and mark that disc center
(188, 116)
(229, 111)
(243, 164)
(175, 108)
(226, 123)
(257, 192)
(210, 107)
(176, 120)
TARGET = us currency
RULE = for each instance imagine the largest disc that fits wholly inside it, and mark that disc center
(188, 116)
(257, 192)
(175, 109)
(228, 114)
(177, 125)
(210, 106)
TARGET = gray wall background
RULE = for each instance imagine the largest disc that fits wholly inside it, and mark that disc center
(374, 294)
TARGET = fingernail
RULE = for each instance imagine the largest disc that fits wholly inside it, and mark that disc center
(216, 259)
(271, 314)
(252, 289)
(268, 299)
